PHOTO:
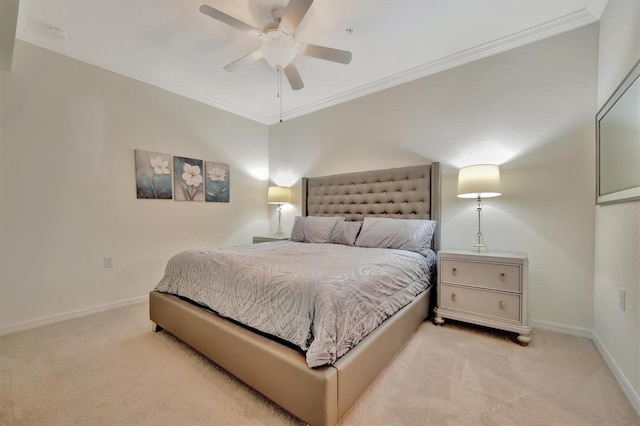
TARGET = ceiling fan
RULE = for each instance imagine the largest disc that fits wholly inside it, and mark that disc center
(279, 46)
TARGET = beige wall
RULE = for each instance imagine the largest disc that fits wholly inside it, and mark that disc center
(531, 110)
(8, 20)
(67, 181)
(617, 247)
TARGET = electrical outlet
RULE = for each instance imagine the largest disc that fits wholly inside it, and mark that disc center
(108, 261)
(623, 299)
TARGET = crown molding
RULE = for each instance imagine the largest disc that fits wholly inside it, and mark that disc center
(132, 73)
(539, 32)
(536, 33)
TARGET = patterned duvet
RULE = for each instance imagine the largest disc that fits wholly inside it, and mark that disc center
(322, 298)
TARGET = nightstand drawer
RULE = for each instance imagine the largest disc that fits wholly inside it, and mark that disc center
(482, 302)
(486, 275)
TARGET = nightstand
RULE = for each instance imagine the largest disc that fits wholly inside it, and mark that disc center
(488, 289)
(267, 239)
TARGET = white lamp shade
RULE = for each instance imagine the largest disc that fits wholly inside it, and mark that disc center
(278, 195)
(481, 180)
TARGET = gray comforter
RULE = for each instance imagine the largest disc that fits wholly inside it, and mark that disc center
(323, 298)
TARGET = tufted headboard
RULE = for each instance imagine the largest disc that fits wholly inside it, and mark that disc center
(405, 193)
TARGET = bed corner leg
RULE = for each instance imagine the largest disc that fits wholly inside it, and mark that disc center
(156, 328)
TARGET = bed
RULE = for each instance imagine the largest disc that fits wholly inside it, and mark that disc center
(323, 394)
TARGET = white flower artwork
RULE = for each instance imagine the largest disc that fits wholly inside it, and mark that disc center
(188, 179)
(217, 185)
(192, 175)
(217, 174)
(153, 175)
(160, 166)
(193, 180)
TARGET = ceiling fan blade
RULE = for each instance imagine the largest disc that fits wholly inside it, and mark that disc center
(245, 60)
(293, 14)
(293, 76)
(229, 20)
(326, 53)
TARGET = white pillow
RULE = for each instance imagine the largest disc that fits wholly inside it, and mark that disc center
(405, 234)
(314, 229)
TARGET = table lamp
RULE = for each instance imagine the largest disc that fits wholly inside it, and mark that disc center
(479, 181)
(278, 195)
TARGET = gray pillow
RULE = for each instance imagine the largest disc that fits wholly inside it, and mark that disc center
(345, 233)
(313, 229)
(405, 234)
(297, 232)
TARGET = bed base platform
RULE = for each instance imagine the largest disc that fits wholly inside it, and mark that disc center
(317, 396)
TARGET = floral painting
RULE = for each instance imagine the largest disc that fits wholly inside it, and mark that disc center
(153, 175)
(217, 182)
(187, 179)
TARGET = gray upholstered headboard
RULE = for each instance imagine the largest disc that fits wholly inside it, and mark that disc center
(405, 193)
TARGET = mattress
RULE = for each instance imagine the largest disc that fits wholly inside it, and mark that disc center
(321, 298)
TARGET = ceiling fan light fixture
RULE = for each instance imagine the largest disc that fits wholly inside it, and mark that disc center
(278, 48)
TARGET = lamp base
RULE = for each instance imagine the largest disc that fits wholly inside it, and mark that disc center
(480, 248)
(279, 229)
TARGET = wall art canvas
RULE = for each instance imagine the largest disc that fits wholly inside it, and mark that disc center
(153, 175)
(188, 179)
(217, 185)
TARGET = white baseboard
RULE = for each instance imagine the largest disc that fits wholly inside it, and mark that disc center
(52, 319)
(628, 390)
(562, 328)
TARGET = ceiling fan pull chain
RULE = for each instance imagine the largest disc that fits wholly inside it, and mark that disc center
(280, 92)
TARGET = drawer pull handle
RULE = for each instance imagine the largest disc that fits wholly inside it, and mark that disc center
(502, 305)
(454, 272)
(453, 297)
(502, 276)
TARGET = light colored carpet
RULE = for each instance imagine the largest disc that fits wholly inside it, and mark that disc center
(111, 369)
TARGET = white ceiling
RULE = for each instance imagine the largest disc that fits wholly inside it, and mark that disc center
(169, 44)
